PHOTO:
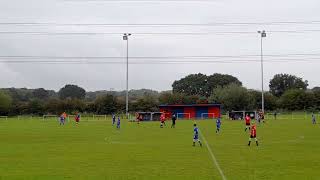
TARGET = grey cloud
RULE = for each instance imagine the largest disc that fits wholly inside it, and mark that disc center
(159, 77)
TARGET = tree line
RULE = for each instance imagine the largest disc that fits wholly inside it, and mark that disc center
(287, 92)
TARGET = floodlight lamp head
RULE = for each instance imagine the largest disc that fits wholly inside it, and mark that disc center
(263, 33)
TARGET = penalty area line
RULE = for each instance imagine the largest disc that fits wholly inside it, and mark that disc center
(213, 157)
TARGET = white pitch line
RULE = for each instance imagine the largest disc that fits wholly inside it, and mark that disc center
(214, 160)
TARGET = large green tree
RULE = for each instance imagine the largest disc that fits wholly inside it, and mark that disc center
(106, 104)
(317, 99)
(54, 106)
(201, 84)
(5, 103)
(72, 91)
(221, 80)
(297, 99)
(280, 83)
(177, 98)
(35, 107)
(233, 97)
(270, 101)
(41, 94)
(146, 103)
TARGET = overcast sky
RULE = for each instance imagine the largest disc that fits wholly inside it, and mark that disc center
(158, 76)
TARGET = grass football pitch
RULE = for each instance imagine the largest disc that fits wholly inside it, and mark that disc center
(41, 149)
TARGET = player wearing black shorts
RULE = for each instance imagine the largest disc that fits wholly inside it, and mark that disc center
(174, 118)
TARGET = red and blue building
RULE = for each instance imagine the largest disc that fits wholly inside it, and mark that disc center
(192, 111)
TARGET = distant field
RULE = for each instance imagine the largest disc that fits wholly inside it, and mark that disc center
(36, 149)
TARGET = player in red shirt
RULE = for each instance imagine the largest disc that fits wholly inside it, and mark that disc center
(138, 118)
(247, 120)
(253, 134)
(162, 120)
(77, 117)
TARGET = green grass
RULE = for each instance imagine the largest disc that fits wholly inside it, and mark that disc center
(36, 149)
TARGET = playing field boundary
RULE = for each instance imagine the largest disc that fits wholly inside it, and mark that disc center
(213, 157)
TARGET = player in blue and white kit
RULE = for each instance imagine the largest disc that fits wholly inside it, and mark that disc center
(218, 122)
(62, 120)
(118, 123)
(113, 119)
(196, 135)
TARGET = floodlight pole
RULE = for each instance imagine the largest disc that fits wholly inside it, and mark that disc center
(126, 38)
(262, 35)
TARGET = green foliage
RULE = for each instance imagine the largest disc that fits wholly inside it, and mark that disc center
(316, 89)
(233, 97)
(106, 104)
(297, 99)
(41, 94)
(72, 91)
(177, 98)
(73, 105)
(270, 101)
(280, 83)
(146, 104)
(35, 107)
(54, 106)
(133, 94)
(202, 85)
(5, 103)
(317, 99)
(20, 95)
(221, 80)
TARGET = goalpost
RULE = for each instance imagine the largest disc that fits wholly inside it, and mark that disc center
(49, 116)
(4, 117)
(236, 115)
(98, 117)
(183, 115)
(208, 115)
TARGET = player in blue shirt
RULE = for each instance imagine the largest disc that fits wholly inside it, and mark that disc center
(218, 122)
(118, 123)
(62, 120)
(113, 119)
(196, 135)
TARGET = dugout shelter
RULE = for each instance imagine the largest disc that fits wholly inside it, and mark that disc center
(149, 116)
(240, 115)
(192, 111)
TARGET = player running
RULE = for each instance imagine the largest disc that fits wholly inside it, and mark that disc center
(253, 134)
(113, 119)
(174, 118)
(64, 114)
(313, 119)
(258, 117)
(261, 114)
(162, 120)
(138, 118)
(247, 120)
(77, 118)
(118, 123)
(218, 123)
(196, 135)
(62, 120)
